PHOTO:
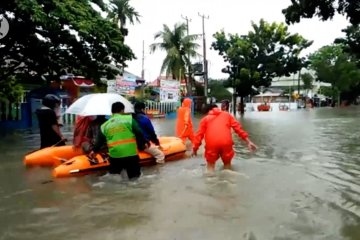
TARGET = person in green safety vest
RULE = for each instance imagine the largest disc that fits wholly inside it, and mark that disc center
(124, 138)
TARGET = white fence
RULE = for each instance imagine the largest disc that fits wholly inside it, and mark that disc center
(274, 107)
(162, 107)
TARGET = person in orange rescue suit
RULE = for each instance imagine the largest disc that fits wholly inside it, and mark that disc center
(184, 126)
(216, 127)
(225, 105)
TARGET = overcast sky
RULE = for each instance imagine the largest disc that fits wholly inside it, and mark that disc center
(234, 16)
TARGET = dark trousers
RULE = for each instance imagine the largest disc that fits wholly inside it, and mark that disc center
(130, 164)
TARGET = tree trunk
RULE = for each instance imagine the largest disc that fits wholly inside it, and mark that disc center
(3, 110)
(188, 86)
(10, 116)
(17, 107)
(234, 104)
(242, 108)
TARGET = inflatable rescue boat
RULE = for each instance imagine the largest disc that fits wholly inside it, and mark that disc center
(173, 148)
(51, 156)
(54, 156)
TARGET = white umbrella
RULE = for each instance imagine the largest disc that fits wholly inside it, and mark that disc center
(98, 104)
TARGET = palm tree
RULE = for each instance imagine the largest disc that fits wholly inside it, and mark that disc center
(179, 48)
(120, 12)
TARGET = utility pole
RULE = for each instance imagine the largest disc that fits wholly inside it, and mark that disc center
(189, 82)
(298, 99)
(204, 53)
(143, 60)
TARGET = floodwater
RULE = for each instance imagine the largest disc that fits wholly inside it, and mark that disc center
(302, 183)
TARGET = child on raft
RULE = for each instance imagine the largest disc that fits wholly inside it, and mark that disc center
(216, 128)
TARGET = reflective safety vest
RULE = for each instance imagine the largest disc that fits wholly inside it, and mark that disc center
(119, 136)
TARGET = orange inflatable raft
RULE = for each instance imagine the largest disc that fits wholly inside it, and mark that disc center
(55, 156)
(173, 148)
(51, 156)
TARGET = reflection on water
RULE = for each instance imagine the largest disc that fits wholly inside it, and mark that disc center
(302, 183)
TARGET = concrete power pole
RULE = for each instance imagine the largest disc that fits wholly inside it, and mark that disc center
(143, 60)
(205, 60)
(189, 82)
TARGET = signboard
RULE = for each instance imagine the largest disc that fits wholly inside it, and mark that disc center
(115, 86)
(111, 86)
(169, 90)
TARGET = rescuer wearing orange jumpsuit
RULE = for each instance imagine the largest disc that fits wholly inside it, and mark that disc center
(225, 104)
(216, 127)
(184, 126)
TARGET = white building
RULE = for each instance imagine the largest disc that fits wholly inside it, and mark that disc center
(293, 81)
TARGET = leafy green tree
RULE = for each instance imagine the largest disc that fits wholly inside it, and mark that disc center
(334, 66)
(10, 93)
(120, 12)
(308, 80)
(324, 9)
(326, 91)
(218, 90)
(179, 48)
(54, 36)
(351, 42)
(253, 60)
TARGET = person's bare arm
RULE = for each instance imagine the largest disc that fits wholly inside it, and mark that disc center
(56, 129)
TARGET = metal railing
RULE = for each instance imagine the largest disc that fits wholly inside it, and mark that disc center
(162, 107)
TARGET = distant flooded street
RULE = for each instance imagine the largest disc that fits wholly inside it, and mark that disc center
(303, 183)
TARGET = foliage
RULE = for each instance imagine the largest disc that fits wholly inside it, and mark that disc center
(56, 36)
(10, 90)
(308, 80)
(324, 9)
(351, 42)
(101, 87)
(334, 66)
(267, 51)
(327, 91)
(179, 47)
(218, 90)
(120, 12)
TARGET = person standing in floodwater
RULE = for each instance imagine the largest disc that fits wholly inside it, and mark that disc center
(123, 137)
(50, 134)
(216, 128)
(184, 125)
(225, 105)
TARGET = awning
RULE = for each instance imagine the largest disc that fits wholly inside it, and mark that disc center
(82, 82)
(79, 81)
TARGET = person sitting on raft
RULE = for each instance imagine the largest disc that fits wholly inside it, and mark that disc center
(123, 137)
(81, 127)
(92, 132)
(216, 128)
(149, 133)
(86, 130)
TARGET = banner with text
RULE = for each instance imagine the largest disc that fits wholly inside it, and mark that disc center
(169, 90)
